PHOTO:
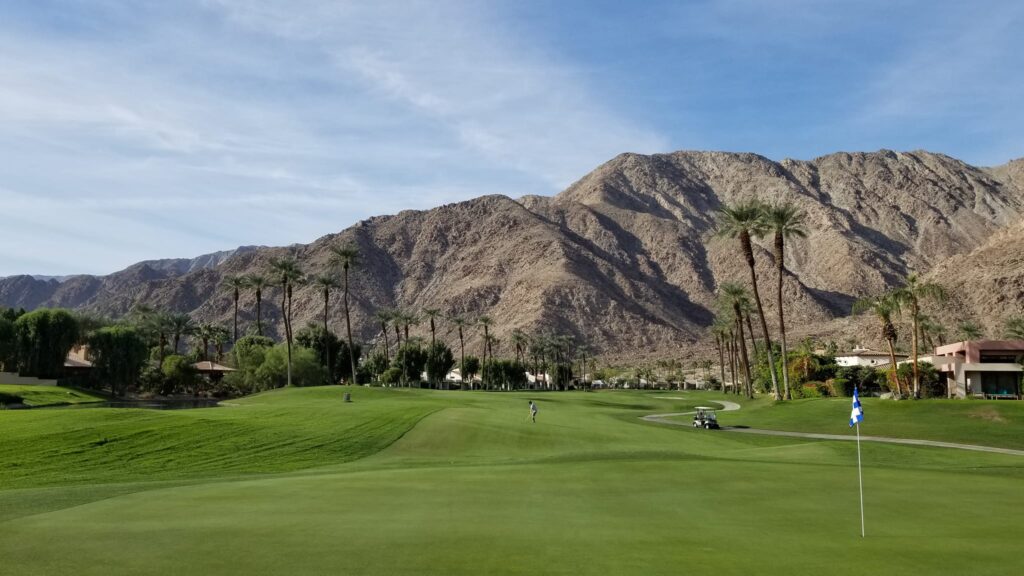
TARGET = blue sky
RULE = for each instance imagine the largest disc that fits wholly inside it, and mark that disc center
(153, 129)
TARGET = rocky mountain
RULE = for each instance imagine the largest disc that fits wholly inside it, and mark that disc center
(626, 259)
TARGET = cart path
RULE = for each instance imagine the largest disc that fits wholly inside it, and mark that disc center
(731, 406)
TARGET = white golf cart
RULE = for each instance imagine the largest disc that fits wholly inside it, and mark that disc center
(705, 418)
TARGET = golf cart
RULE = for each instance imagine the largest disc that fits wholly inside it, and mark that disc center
(705, 418)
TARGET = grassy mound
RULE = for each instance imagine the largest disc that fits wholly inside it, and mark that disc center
(37, 396)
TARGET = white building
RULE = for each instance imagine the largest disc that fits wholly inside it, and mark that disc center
(866, 357)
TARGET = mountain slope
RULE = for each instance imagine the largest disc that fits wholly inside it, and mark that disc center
(625, 259)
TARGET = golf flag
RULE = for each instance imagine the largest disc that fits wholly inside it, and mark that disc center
(856, 415)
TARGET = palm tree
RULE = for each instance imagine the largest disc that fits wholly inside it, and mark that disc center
(348, 257)
(288, 273)
(912, 293)
(384, 316)
(720, 330)
(258, 283)
(787, 221)
(1014, 328)
(486, 322)
(885, 307)
(235, 284)
(930, 330)
(741, 221)
(204, 333)
(219, 337)
(969, 330)
(520, 341)
(164, 325)
(430, 314)
(735, 294)
(181, 325)
(325, 283)
(459, 322)
(804, 358)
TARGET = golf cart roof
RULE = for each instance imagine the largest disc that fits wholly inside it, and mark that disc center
(705, 408)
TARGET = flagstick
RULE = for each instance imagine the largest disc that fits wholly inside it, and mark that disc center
(860, 477)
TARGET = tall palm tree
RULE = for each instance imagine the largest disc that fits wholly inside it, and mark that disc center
(1014, 328)
(288, 274)
(384, 316)
(181, 325)
(742, 221)
(885, 307)
(786, 221)
(219, 337)
(720, 329)
(969, 330)
(930, 330)
(520, 341)
(348, 257)
(912, 293)
(804, 358)
(735, 294)
(258, 283)
(486, 322)
(431, 314)
(235, 284)
(163, 323)
(325, 283)
(460, 323)
(204, 333)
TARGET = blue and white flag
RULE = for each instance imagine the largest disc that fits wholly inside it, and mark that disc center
(857, 414)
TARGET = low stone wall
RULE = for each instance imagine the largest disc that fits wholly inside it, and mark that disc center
(13, 378)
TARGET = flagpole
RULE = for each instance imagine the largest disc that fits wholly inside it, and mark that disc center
(860, 478)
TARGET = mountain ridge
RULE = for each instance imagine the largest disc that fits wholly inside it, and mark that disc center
(625, 258)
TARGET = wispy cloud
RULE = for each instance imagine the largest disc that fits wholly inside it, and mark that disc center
(139, 131)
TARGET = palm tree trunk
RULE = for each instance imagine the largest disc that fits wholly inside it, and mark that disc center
(462, 357)
(743, 354)
(286, 310)
(235, 339)
(781, 268)
(327, 340)
(913, 352)
(732, 360)
(259, 317)
(348, 331)
(719, 342)
(892, 368)
(387, 353)
(745, 240)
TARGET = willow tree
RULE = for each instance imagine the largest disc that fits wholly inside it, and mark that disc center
(348, 257)
(786, 221)
(742, 221)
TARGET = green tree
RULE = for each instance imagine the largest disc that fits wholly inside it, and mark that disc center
(288, 274)
(913, 293)
(786, 221)
(486, 322)
(742, 221)
(234, 285)
(411, 359)
(460, 324)
(279, 368)
(118, 354)
(325, 284)
(8, 346)
(258, 283)
(884, 308)
(314, 337)
(440, 361)
(43, 339)
(180, 375)
(348, 258)
(472, 368)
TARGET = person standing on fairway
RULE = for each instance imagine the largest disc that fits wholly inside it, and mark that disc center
(533, 412)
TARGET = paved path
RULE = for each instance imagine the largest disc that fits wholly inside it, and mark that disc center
(728, 406)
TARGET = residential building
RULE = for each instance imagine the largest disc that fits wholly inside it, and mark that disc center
(982, 368)
(866, 357)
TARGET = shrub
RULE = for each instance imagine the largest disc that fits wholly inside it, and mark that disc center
(180, 375)
(306, 368)
(391, 376)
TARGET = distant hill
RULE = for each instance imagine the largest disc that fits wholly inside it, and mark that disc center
(626, 258)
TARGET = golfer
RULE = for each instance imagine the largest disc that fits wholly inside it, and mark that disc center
(533, 412)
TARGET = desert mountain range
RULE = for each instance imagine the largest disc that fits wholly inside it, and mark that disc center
(626, 259)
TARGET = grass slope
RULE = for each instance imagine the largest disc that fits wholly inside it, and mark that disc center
(37, 396)
(415, 482)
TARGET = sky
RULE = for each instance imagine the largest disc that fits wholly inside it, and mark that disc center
(134, 130)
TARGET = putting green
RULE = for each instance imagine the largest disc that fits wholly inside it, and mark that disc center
(417, 482)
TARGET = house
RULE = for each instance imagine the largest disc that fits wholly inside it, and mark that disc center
(866, 357)
(77, 359)
(982, 368)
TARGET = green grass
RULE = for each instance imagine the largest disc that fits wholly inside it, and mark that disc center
(985, 422)
(37, 396)
(418, 482)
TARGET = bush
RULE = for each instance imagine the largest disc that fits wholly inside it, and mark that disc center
(392, 375)
(306, 368)
(810, 389)
(180, 375)
(842, 387)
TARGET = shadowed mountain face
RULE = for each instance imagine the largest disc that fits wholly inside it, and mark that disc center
(626, 259)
